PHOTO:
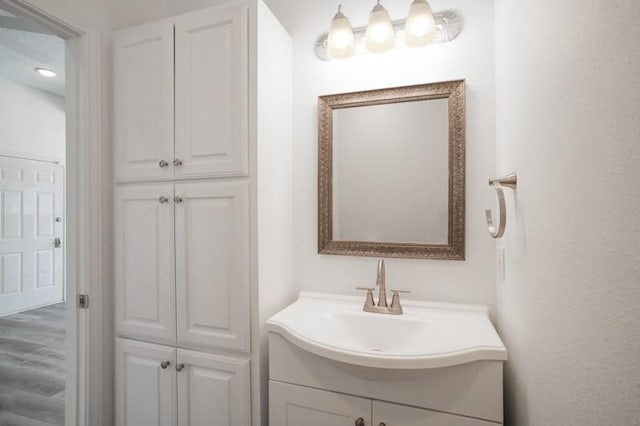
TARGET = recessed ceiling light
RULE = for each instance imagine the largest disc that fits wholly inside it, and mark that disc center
(45, 72)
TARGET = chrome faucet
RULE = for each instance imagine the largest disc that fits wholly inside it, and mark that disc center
(381, 307)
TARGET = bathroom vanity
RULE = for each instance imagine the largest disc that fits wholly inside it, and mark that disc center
(332, 364)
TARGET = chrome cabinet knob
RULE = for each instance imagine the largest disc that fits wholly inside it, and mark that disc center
(177, 199)
(179, 367)
(163, 164)
(165, 364)
(163, 199)
(360, 421)
(177, 162)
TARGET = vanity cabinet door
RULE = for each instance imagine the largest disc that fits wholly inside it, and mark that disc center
(291, 405)
(145, 384)
(212, 265)
(144, 263)
(401, 415)
(211, 92)
(143, 102)
(213, 390)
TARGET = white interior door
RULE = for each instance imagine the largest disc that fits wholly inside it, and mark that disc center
(212, 268)
(31, 218)
(211, 92)
(213, 390)
(145, 384)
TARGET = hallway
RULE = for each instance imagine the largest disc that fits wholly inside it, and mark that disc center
(32, 367)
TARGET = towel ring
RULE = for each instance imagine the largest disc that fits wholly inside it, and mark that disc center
(508, 181)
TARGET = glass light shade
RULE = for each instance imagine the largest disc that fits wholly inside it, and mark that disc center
(341, 43)
(379, 36)
(46, 72)
(420, 28)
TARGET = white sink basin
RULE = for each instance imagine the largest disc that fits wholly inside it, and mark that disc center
(427, 335)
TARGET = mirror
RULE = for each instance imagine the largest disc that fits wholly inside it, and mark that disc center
(391, 172)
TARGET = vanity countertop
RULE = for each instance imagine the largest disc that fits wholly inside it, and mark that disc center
(426, 335)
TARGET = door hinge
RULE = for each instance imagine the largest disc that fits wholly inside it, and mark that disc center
(83, 301)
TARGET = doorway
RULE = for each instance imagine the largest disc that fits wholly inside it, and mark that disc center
(32, 193)
(86, 243)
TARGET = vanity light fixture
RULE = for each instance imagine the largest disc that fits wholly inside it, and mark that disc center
(45, 72)
(421, 28)
(380, 36)
(341, 42)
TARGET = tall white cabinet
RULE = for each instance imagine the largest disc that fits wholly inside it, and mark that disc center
(192, 165)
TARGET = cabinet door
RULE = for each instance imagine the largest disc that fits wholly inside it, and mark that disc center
(400, 415)
(213, 390)
(144, 261)
(211, 92)
(145, 384)
(212, 265)
(143, 101)
(291, 405)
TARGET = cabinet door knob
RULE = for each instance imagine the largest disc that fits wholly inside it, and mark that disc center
(165, 364)
(177, 199)
(179, 367)
(163, 164)
(163, 199)
(382, 424)
(360, 421)
(177, 162)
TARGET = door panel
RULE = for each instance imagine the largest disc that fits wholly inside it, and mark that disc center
(145, 280)
(31, 266)
(400, 415)
(212, 279)
(211, 92)
(143, 102)
(291, 405)
(145, 392)
(213, 390)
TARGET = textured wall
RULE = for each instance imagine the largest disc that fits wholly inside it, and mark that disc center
(568, 115)
(32, 122)
(469, 57)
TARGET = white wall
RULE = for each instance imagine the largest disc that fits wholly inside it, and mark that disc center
(469, 57)
(32, 122)
(568, 114)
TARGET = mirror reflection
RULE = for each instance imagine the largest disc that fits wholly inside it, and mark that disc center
(390, 172)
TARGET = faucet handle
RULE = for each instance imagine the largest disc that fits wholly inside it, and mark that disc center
(395, 299)
(368, 301)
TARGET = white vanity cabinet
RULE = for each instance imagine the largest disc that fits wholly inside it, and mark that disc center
(182, 264)
(293, 405)
(164, 386)
(187, 74)
(309, 389)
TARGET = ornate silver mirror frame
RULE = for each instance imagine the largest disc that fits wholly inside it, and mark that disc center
(454, 249)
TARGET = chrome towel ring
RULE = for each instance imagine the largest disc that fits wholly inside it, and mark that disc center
(508, 181)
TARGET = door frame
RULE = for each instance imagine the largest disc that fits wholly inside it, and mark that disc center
(89, 381)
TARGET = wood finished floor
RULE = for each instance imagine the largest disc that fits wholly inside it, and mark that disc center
(32, 367)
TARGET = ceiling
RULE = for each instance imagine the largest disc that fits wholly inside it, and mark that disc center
(25, 45)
